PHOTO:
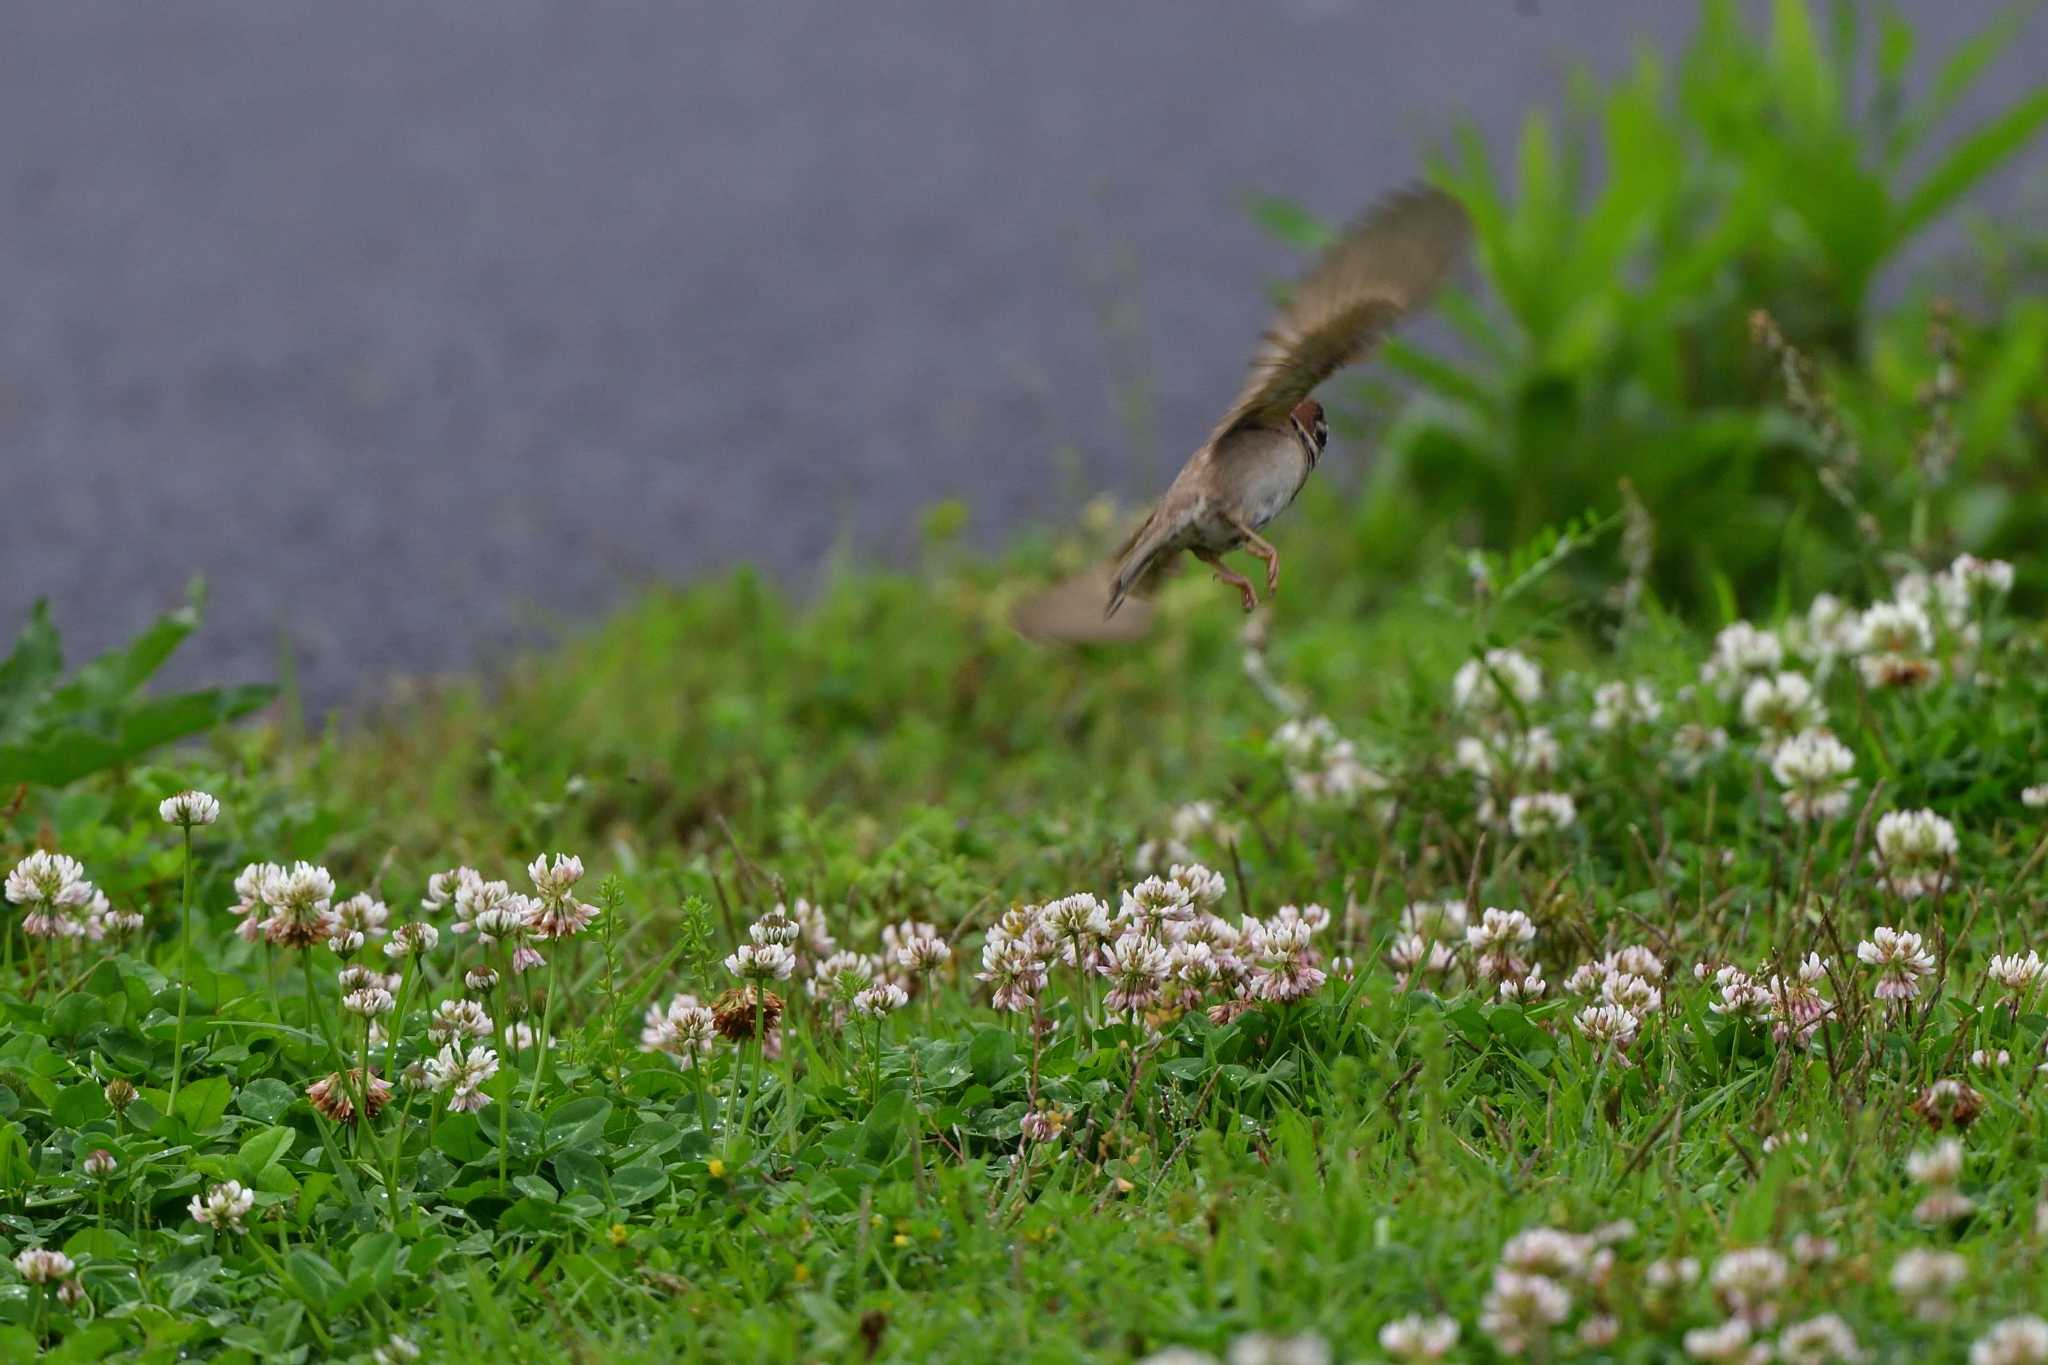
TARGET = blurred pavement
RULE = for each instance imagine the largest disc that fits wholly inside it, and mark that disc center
(423, 327)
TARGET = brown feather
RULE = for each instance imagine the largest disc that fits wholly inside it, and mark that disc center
(1379, 270)
(1070, 611)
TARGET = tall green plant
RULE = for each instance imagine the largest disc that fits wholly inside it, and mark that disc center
(1611, 337)
(54, 732)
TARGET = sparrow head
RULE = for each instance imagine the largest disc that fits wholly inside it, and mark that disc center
(1314, 431)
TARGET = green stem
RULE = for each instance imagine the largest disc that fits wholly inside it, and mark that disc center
(184, 971)
(547, 1014)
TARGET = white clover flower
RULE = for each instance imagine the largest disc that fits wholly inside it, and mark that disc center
(1632, 993)
(1742, 995)
(1741, 650)
(1818, 1341)
(1437, 921)
(1727, 1343)
(1808, 1249)
(1154, 903)
(555, 879)
(1541, 813)
(370, 1002)
(1749, 1281)
(189, 808)
(1901, 959)
(463, 1074)
(395, 1351)
(1695, 746)
(1136, 967)
(1941, 1164)
(685, 1029)
(1533, 753)
(2015, 1341)
(2016, 975)
(1077, 923)
(1620, 705)
(412, 940)
(759, 962)
(2035, 797)
(453, 1019)
(52, 890)
(1830, 627)
(1667, 1275)
(1782, 706)
(1500, 928)
(1893, 640)
(1927, 1281)
(1607, 1026)
(1915, 849)
(1416, 1338)
(879, 1000)
(362, 914)
(1015, 972)
(301, 903)
(775, 927)
(1970, 583)
(1552, 1252)
(1530, 987)
(924, 954)
(1261, 1348)
(224, 1206)
(1203, 888)
(1813, 767)
(1519, 1310)
(1485, 684)
(39, 1266)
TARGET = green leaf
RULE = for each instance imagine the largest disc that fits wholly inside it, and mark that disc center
(993, 1055)
(263, 1148)
(265, 1099)
(36, 661)
(533, 1187)
(201, 1103)
(80, 1104)
(1969, 161)
(883, 1125)
(638, 1183)
(578, 1123)
(373, 1263)
(318, 1282)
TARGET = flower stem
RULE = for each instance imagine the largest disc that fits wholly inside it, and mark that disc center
(184, 971)
(547, 1014)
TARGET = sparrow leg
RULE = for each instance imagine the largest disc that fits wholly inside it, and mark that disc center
(1259, 547)
(1235, 580)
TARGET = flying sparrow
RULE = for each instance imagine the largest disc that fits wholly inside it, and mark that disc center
(1379, 270)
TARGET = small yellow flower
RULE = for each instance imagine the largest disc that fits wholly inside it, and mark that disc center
(716, 1167)
(617, 1234)
(901, 1239)
(802, 1274)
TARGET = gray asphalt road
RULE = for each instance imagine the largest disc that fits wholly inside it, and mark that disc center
(419, 326)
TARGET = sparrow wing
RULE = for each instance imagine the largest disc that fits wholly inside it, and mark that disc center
(1384, 266)
(1070, 611)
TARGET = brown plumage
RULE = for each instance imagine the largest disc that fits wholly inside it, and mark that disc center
(1378, 271)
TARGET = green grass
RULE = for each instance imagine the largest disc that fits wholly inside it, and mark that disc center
(891, 752)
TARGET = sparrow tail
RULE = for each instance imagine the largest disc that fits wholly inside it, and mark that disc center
(1139, 565)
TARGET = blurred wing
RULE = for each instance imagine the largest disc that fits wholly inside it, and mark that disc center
(1070, 611)
(1382, 268)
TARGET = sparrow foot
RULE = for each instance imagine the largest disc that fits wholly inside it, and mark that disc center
(1259, 547)
(1224, 574)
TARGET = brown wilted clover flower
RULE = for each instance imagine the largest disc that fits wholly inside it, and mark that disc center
(1948, 1102)
(738, 1012)
(120, 1094)
(335, 1095)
